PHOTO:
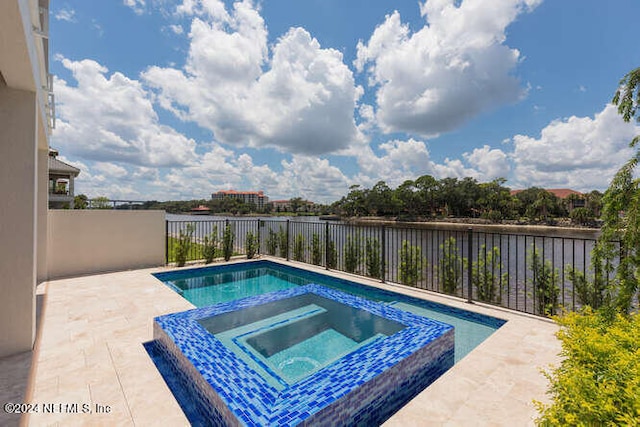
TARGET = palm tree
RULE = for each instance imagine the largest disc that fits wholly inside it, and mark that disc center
(543, 203)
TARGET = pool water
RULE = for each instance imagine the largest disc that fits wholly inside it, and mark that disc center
(218, 284)
(290, 339)
(306, 357)
(201, 296)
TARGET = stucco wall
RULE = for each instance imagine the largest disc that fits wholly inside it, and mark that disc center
(18, 211)
(94, 241)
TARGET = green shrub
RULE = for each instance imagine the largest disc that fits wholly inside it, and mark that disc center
(372, 254)
(227, 242)
(486, 275)
(251, 244)
(298, 247)
(493, 216)
(210, 246)
(332, 255)
(591, 290)
(283, 243)
(411, 264)
(545, 282)
(598, 380)
(450, 266)
(272, 243)
(184, 245)
(316, 249)
(352, 253)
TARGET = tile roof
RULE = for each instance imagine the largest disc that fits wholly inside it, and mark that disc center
(561, 193)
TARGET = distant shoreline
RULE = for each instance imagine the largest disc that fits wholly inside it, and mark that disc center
(476, 224)
(563, 227)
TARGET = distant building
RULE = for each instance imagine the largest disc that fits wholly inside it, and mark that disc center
(61, 176)
(563, 193)
(255, 197)
(201, 210)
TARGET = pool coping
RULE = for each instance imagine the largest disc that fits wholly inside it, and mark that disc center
(105, 318)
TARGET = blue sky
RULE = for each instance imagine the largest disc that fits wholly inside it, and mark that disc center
(176, 99)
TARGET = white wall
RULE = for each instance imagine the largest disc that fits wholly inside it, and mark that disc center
(23, 147)
(42, 220)
(93, 241)
(18, 219)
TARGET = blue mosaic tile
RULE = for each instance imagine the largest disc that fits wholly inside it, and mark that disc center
(363, 387)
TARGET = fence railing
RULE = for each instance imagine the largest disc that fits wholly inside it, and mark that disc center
(529, 273)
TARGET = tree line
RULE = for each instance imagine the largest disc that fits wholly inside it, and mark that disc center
(427, 197)
(421, 199)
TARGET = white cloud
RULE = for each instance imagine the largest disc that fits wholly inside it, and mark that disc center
(111, 118)
(452, 69)
(410, 159)
(177, 29)
(367, 116)
(214, 9)
(219, 169)
(143, 174)
(313, 178)
(96, 180)
(490, 163)
(578, 152)
(138, 6)
(110, 169)
(66, 14)
(298, 98)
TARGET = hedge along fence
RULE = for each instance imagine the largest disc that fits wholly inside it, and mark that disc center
(537, 274)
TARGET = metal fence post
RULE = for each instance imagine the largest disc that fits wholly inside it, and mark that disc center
(383, 253)
(226, 225)
(259, 224)
(326, 245)
(470, 265)
(166, 241)
(288, 243)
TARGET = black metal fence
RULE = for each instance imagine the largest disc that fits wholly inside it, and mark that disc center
(536, 274)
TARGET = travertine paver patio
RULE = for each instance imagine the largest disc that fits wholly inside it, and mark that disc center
(89, 352)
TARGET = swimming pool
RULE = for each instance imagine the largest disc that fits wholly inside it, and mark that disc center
(274, 344)
(216, 284)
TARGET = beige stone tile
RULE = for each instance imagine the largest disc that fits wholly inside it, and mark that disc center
(46, 389)
(142, 385)
(94, 326)
(108, 401)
